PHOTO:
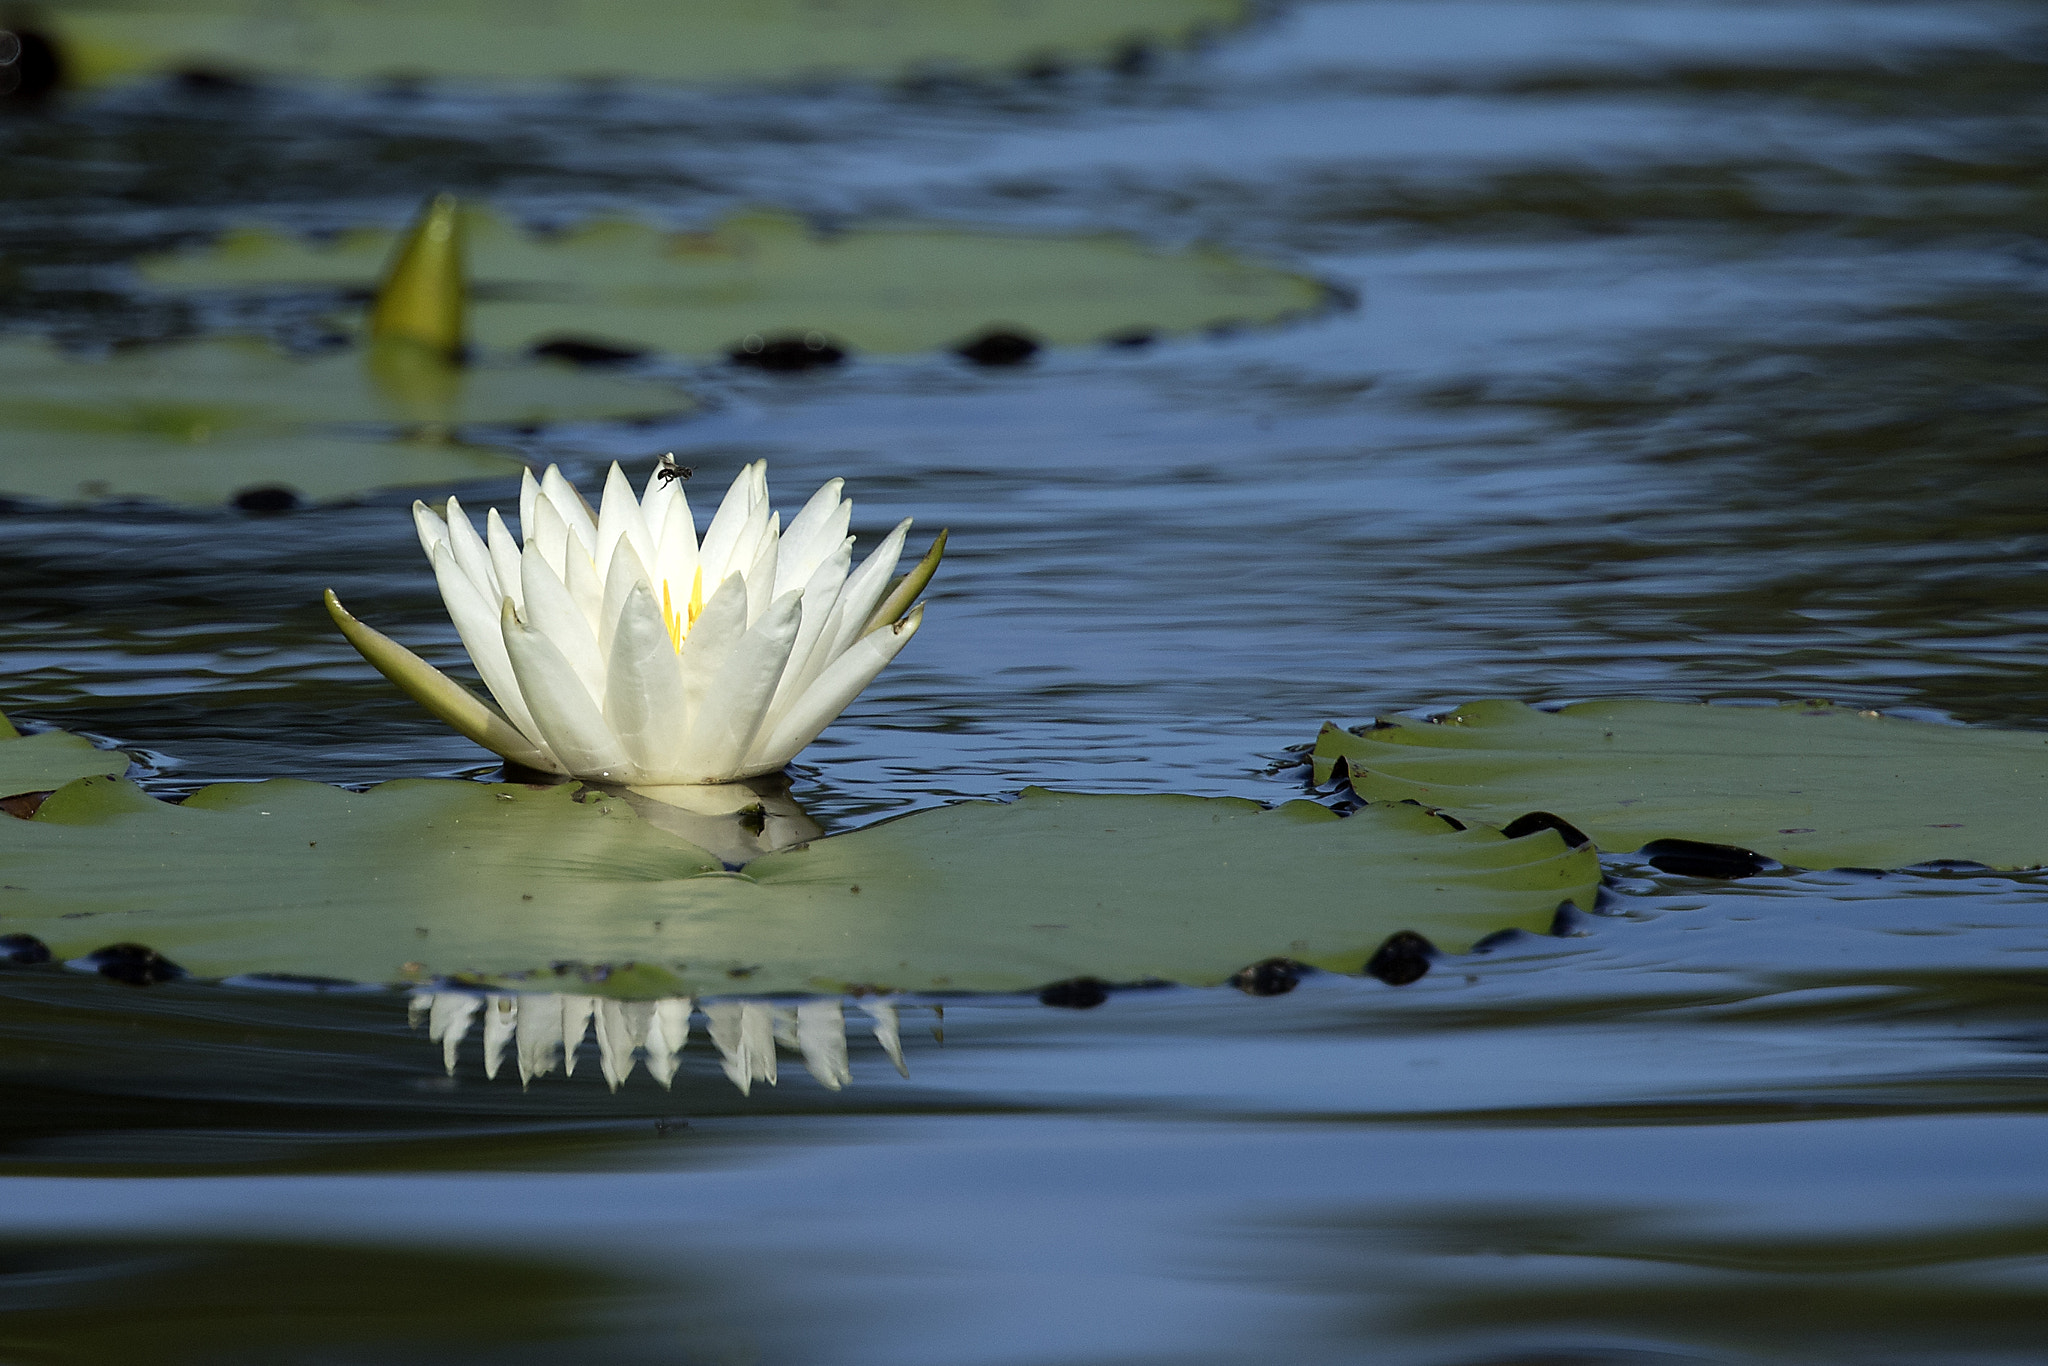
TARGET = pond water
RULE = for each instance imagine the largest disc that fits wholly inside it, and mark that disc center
(1690, 351)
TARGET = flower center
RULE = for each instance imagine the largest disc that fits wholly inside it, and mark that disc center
(679, 624)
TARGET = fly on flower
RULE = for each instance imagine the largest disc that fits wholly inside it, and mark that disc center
(668, 471)
(620, 646)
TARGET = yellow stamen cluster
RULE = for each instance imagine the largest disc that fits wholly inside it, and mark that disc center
(678, 624)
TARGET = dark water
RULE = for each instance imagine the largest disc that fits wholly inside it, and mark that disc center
(1702, 352)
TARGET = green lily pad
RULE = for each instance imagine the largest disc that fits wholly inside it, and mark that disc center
(666, 40)
(200, 422)
(45, 762)
(1808, 784)
(418, 879)
(885, 288)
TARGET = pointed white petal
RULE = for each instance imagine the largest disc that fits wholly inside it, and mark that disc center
(802, 552)
(644, 702)
(723, 726)
(726, 525)
(551, 535)
(432, 530)
(476, 623)
(821, 594)
(504, 559)
(760, 571)
(712, 641)
(570, 504)
(586, 587)
(555, 614)
(821, 1037)
(676, 558)
(836, 687)
(529, 499)
(626, 572)
(865, 588)
(620, 517)
(807, 526)
(471, 555)
(621, 1031)
(562, 706)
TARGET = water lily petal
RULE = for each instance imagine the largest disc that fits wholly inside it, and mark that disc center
(804, 549)
(504, 559)
(561, 703)
(744, 1032)
(722, 731)
(837, 686)
(715, 551)
(620, 517)
(888, 1033)
(582, 522)
(552, 612)
(467, 713)
(713, 639)
(666, 1035)
(577, 1012)
(433, 531)
(476, 622)
(675, 559)
(760, 570)
(585, 587)
(550, 535)
(807, 526)
(821, 595)
(644, 703)
(471, 555)
(866, 586)
(626, 571)
(906, 589)
(529, 499)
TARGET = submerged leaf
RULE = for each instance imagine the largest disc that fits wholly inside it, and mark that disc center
(1808, 784)
(885, 288)
(435, 878)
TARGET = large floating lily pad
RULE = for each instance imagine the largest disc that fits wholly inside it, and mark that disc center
(668, 40)
(887, 288)
(1809, 784)
(44, 763)
(201, 422)
(423, 878)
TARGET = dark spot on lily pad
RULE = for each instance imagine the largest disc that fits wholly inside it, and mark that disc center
(1404, 957)
(136, 965)
(1542, 820)
(583, 351)
(267, 499)
(23, 949)
(203, 80)
(787, 354)
(998, 346)
(1272, 977)
(1691, 858)
(1078, 993)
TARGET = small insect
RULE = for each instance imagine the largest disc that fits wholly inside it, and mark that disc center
(667, 469)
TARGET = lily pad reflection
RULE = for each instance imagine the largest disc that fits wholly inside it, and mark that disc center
(204, 422)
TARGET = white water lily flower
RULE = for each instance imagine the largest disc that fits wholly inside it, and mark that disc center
(622, 648)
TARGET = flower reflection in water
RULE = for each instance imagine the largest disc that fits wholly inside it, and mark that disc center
(545, 1029)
